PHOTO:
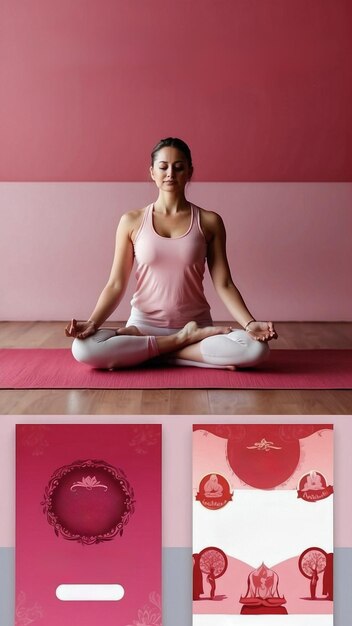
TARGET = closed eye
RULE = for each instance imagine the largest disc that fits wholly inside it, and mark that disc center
(178, 165)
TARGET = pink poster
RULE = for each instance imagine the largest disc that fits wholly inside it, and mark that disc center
(263, 524)
(88, 524)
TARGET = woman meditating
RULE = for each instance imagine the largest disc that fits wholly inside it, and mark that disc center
(170, 239)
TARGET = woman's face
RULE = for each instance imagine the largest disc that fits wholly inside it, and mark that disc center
(170, 170)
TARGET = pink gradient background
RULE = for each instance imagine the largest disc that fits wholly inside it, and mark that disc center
(89, 88)
(177, 466)
(289, 246)
(133, 560)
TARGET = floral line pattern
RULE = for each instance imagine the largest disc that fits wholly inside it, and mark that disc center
(26, 615)
(144, 438)
(89, 483)
(150, 613)
(35, 439)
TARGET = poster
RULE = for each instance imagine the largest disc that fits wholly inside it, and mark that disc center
(262, 523)
(88, 512)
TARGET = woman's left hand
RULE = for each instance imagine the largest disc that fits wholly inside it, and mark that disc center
(261, 331)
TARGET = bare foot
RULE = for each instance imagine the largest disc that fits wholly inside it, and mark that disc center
(129, 330)
(191, 333)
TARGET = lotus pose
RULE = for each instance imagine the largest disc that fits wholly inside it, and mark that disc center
(171, 240)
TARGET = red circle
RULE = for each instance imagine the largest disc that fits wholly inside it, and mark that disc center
(313, 549)
(222, 556)
(263, 459)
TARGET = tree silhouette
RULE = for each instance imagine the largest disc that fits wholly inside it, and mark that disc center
(312, 562)
(213, 562)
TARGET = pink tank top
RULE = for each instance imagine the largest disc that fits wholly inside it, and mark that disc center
(169, 275)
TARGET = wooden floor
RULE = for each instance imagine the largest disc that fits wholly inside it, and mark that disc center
(292, 335)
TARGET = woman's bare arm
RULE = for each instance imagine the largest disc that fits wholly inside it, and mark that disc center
(115, 288)
(221, 276)
(120, 272)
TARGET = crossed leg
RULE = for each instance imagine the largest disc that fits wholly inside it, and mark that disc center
(127, 347)
(232, 350)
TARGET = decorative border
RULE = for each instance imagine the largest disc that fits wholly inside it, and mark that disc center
(53, 519)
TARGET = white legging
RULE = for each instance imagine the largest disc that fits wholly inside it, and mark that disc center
(106, 350)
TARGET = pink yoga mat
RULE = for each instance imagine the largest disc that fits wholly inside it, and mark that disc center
(286, 369)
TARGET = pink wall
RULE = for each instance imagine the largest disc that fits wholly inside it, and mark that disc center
(262, 90)
(289, 245)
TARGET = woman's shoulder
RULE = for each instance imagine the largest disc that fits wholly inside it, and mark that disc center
(133, 215)
(210, 221)
(132, 220)
(210, 217)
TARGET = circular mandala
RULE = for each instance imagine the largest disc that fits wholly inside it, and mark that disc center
(88, 501)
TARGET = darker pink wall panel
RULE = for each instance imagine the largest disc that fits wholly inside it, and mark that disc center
(260, 88)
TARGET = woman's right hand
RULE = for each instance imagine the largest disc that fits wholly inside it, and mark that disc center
(80, 330)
